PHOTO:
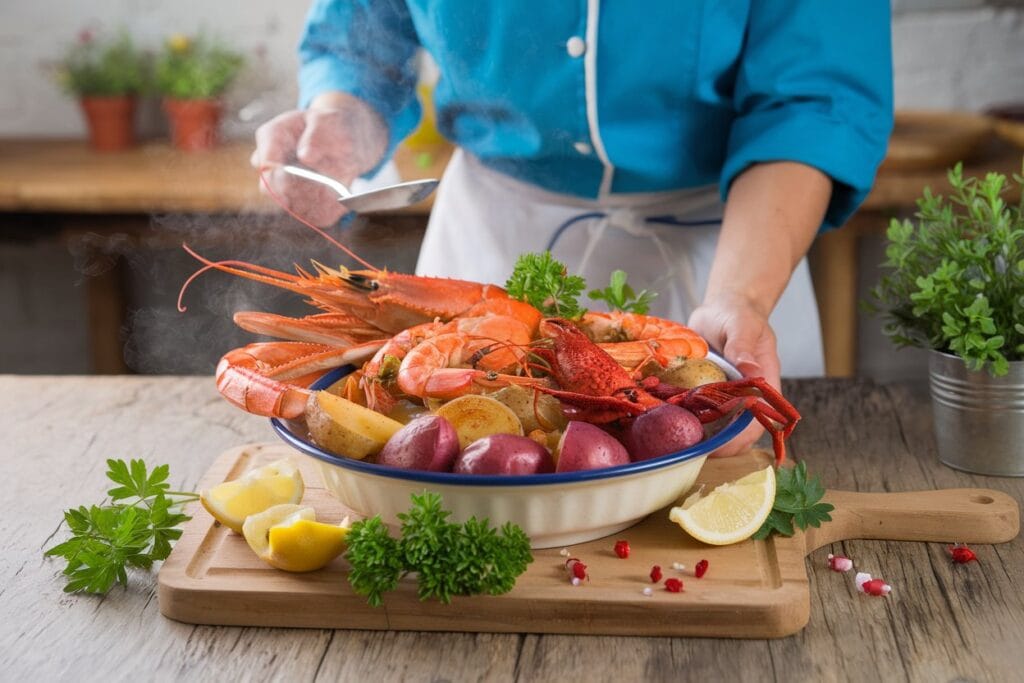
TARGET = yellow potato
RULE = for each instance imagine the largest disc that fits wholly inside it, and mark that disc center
(406, 411)
(475, 417)
(693, 372)
(545, 413)
(346, 428)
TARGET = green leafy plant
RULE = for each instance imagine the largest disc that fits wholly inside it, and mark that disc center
(796, 504)
(620, 296)
(955, 279)
(449, 559)
(196, 68)
(545, 283)
(135, 529)
(95, 67)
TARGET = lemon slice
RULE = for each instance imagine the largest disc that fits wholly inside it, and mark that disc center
(288, 537)
(732, 512)
(231, 502)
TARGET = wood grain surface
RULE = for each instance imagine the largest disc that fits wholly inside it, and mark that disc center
(757, 589)
(67, 176)
(942, 622)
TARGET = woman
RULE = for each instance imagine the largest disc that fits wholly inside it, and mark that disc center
(699, 146)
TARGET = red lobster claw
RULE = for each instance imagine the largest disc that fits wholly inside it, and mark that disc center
(710, 402)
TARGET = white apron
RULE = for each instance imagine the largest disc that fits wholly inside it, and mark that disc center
(482, 220)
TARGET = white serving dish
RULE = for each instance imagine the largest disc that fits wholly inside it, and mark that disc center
(552, 509)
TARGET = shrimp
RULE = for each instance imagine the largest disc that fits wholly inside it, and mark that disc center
(634, 340)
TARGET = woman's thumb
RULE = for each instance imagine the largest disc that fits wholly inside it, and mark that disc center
(739, 350)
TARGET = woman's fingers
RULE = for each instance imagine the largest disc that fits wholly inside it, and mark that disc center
(278, 142)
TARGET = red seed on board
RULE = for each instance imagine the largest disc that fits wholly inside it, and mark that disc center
(622, 549)
(961, 554)
(655, 574)
(700, 568)
(673, 585)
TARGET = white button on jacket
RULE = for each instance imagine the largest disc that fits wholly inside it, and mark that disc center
(575, 46)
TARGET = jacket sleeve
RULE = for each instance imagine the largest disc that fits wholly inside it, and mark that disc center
(814, 85)
(366, 48)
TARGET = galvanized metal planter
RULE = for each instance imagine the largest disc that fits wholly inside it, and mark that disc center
(979, 419)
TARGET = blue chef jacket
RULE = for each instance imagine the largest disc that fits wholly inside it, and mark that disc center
(620, 96)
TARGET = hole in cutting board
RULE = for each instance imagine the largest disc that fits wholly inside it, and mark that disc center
(982, 500)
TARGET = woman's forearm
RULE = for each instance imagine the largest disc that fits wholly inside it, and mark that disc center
(772, 214)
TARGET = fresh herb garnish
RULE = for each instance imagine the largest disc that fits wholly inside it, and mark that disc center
(449, 559)
(544, 283)
(107, 539)
(796, 503)
(620, 296)
(954, 278)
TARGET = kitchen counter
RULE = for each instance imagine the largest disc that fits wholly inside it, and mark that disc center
(941, 622)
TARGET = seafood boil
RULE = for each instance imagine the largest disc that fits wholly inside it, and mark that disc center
(418, 343)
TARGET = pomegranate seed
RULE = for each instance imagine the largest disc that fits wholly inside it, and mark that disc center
(673, 585)
(622, 549)
(866, 584)
(655, 574)
(838, 563)
(962, 554)
(700, 568)
(577, 570)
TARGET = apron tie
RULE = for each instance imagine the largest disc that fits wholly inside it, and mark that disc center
(629, 221)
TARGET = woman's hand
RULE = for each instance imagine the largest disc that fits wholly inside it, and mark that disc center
(339, 136)
(739, 328)
(773, 211)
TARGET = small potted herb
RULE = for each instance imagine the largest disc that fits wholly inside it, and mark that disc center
(107, 76)
(192, 74)
(955, 284)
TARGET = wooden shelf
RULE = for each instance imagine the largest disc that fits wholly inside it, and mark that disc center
(66, 176)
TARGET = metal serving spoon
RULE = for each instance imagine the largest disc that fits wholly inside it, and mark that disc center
(381, 199)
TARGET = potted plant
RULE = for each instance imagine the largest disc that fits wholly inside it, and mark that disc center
(106, 76)
(955, 285)
(192, 74)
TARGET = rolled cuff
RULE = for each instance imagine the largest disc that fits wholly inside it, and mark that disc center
(848, 155)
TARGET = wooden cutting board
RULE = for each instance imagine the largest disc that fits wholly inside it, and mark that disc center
(754, 589)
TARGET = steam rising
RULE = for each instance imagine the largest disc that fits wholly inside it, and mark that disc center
(160, 340)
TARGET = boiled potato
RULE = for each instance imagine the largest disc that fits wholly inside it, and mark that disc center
(545, 413)
(693, 372)
(475, 417)
(347, 428)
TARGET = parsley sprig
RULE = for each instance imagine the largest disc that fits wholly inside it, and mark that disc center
(544, 283)
(796, 503)
(135, 529)
(448, 558)
(620, 296)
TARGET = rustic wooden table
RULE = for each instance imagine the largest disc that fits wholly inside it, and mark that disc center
(942, 621)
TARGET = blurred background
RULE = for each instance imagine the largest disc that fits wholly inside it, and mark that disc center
(92, 223)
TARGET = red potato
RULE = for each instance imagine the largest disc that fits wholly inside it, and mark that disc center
(586, 447)
(504, 454)
(428, 443)
(663, 430)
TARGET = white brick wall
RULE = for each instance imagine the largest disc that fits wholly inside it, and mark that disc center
(965, 59)
(948, 53)
(35, 33)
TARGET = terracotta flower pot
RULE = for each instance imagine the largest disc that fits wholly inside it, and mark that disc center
(194, 123)
(111, 122)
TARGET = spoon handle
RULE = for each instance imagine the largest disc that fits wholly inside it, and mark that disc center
(301, 172)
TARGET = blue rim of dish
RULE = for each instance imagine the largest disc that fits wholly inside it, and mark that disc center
(701, 449)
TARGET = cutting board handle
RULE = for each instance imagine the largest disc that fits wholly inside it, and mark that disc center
(945, 516)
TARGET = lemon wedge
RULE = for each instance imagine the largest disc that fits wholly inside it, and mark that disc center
(732, 512)
(288, 537)
(231, 502)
